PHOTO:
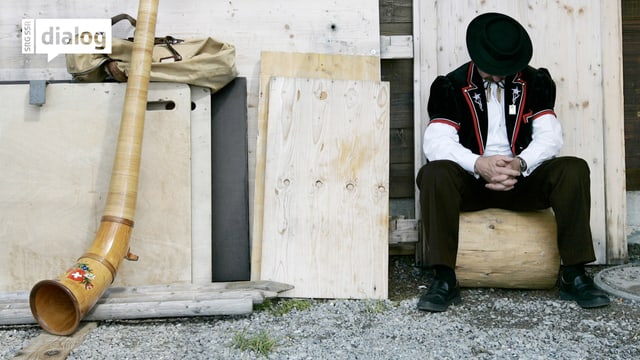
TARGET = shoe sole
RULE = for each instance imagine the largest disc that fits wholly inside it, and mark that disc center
(595, 303)
(431, 307)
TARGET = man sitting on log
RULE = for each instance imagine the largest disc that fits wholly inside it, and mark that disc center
(492, 142)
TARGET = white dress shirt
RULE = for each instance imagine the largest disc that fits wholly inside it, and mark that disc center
(441, 142)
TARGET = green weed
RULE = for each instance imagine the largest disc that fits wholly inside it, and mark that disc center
(260, 343)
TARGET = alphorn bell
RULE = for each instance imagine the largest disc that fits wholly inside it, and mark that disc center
(59, 305)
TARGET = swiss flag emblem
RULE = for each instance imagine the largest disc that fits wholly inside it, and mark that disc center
(76, 274)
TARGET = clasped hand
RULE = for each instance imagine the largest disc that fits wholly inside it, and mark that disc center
(499, 171)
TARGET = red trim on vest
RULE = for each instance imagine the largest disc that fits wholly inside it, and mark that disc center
(476, 123)
(447, 122)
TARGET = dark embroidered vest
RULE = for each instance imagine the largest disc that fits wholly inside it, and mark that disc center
(459, 99)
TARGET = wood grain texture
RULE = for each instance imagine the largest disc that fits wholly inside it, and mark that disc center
(326, 188)
(306, 65)
(613, 121)
(54, 347)
(506, 249)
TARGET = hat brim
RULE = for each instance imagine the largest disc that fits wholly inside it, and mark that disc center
(485, 55)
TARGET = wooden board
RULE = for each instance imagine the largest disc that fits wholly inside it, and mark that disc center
(579, 42)
(326, 198)
(59, 157)
(201, 173)
(54, 347)
(324, 66)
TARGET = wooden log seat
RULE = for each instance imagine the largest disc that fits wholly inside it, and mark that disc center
(507, 249)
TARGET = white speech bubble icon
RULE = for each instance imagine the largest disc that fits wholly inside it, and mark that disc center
(72, 36)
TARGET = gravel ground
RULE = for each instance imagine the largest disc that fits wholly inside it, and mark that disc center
(489, 324)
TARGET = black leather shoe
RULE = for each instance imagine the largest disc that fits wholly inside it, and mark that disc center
(582, 291)
(439, 297)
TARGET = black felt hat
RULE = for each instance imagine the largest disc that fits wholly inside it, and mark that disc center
(498, 44)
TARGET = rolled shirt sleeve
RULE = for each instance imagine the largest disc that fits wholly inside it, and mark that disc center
(441, 142)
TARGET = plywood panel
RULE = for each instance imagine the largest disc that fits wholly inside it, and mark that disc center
(326, 188)
(304, 65)
(56, 164)
(577, 41)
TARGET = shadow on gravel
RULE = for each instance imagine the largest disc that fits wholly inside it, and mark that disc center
(406, 281)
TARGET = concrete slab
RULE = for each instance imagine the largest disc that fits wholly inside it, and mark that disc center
(622, 281)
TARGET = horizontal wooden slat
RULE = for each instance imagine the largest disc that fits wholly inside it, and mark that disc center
(396, 47)
(395, 11)
(403, 231)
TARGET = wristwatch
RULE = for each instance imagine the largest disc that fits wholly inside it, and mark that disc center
(523, 164)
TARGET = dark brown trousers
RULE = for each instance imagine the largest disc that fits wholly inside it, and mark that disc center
(561, 183)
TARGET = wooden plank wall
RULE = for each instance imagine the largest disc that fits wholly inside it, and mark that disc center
(579, 42)
(631, 58)
(396, 20)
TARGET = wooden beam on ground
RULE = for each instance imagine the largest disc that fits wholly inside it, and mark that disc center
(158, 301)
(55, 347)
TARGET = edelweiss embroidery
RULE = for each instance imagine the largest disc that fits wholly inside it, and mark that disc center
(478, 100)
(515, 94)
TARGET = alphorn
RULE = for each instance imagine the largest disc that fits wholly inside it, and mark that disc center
(59, 305)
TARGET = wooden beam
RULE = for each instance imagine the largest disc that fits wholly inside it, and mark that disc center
(54, 347)
(158, 301)
(396, 47)
(613, 128)
(403, 230)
